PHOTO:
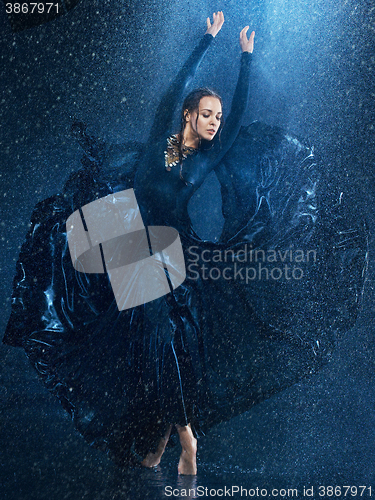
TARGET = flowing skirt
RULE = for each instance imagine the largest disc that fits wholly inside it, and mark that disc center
(257, 311)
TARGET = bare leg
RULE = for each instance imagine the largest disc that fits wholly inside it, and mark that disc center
(153, 459)
(188, 458)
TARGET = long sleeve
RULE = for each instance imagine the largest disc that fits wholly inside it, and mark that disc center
(240, 99)
(164, 114)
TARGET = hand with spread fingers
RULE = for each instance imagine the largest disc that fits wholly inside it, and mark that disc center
(214, 28)
(247, 45)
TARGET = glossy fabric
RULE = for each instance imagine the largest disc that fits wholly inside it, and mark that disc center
(231, 335)
(215, 347)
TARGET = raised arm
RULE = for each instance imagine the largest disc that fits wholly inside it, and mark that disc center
(164, 114)
(240, 97)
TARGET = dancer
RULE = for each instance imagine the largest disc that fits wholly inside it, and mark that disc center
(174, 166)
(257, 312)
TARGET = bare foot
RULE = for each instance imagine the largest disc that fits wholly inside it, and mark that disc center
(188, 458)
(153, 459)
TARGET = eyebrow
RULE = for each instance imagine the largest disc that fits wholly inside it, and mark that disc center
(207, 109)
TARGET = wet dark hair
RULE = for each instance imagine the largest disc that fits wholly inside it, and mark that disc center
(191, 103)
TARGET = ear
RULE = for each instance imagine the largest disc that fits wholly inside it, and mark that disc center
(187, 115)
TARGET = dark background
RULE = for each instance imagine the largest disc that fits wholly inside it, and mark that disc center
(107, 63)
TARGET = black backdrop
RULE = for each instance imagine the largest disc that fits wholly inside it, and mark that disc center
(106, 62)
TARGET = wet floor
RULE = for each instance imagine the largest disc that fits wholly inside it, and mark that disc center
(319, 433)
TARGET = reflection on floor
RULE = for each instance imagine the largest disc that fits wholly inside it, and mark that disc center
(320, 432)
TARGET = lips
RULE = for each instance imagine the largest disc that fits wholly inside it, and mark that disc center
(211, 131)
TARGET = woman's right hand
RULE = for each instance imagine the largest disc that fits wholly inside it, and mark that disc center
(213, 29)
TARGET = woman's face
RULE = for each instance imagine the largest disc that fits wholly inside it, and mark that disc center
(209, 118)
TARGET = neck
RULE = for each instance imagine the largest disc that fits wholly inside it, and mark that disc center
(190, 137)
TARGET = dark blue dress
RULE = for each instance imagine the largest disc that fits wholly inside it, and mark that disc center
(258, 310)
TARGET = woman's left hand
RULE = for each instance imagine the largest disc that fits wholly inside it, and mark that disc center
(247, 45)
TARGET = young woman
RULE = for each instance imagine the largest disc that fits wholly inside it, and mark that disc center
(257, 312)
(174, 167)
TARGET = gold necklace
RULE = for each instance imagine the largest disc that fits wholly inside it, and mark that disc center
(172, 153)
